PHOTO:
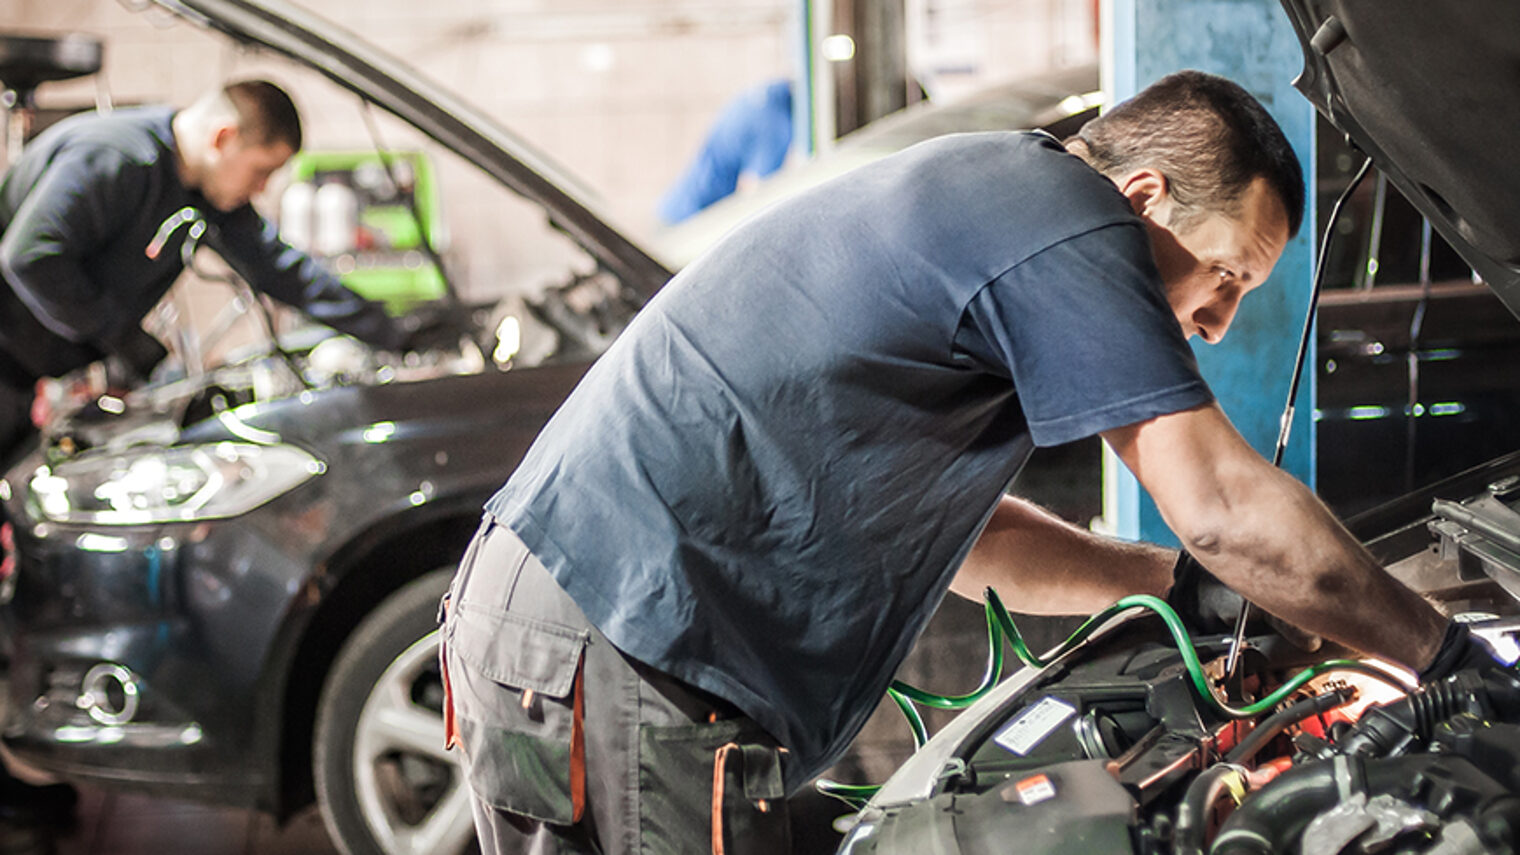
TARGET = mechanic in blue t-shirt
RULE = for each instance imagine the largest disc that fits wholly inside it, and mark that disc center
(750, 137)
(697, 586)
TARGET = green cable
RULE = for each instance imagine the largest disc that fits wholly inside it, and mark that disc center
(990, 677)
(910, 712)
(1195, 668)
(998, 613)
(854, 795)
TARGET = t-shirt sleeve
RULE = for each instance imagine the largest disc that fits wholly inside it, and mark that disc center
(1084, 331)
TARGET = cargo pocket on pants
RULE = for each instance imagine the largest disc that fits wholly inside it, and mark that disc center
(712, 788)
(518, 701)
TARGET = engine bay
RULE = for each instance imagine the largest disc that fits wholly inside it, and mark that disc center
(1113, 747)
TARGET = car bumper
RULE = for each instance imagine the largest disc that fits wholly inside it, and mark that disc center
(114, 675)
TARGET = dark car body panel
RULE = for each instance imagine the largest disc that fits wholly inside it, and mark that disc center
(212, 616)
(1462, 369)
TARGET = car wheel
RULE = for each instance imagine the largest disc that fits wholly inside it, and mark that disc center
(384, 782)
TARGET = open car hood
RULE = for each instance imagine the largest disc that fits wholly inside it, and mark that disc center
(353, 63)
(1429, 91)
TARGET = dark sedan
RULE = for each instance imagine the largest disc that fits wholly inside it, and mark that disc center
(222, 586)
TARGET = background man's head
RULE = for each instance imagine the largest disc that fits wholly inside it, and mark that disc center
(233, 139)
(1216, 182)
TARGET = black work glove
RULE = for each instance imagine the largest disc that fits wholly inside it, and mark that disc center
(436, 325)
(1460, 650)
(1205, 604)
(1210, 607)
(132, 359)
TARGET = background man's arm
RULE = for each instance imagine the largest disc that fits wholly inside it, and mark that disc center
(251, 245)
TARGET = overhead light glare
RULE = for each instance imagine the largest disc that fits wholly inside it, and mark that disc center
(837, 48)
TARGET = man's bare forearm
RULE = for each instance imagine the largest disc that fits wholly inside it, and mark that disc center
(1268, 537)
(1282, 549)
(1040, 564)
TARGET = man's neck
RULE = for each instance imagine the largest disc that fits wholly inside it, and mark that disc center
(186, 161)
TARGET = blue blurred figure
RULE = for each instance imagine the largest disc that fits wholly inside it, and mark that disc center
(751, 136)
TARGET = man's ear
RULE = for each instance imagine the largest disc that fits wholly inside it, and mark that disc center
(222, 138)
(1148, 193)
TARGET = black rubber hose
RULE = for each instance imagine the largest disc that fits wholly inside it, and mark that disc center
(1282, 719)
(1499, 823)
(1393, 727)
(1193, 811)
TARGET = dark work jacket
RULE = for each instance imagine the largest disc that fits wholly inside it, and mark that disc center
(90, 245)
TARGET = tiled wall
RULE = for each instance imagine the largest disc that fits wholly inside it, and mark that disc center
(619, 91)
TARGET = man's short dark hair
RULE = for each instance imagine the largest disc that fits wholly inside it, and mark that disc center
(265, 114)
(1207, 135)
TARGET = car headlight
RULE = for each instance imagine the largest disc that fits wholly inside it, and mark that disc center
(161, 485)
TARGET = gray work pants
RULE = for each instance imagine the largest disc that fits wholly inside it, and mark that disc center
(569, 746)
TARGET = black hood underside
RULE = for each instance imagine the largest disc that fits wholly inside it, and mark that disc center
(1432, 92)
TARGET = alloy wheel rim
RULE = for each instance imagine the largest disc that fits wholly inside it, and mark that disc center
(393, 729)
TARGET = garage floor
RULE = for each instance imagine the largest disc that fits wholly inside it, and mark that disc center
(122, 824)
(111, 823)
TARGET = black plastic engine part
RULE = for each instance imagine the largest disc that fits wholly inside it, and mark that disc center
(1452, 788)
(1279, 721)
(1074, 808)
(1493, 747)
(1395, 728)
(1409, 722)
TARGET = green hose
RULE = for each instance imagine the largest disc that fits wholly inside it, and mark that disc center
(1000, 625)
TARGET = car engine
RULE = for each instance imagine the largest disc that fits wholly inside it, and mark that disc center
(571, 321)
(1112, 748)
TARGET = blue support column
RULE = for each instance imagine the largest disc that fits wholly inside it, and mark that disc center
(1252, 43)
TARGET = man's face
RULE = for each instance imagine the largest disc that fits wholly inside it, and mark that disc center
(1212, 263)
(238, 170)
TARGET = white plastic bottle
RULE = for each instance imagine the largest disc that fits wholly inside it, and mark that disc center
(337, 218)
(297, 214)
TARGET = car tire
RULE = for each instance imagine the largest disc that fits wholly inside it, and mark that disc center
(384, 783)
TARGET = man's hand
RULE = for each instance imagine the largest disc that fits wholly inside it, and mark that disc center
(436, 325)
(1460, 650)
(1204, 603)
(132, 359)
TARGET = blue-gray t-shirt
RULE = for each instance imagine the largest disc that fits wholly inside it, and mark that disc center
(765, 486)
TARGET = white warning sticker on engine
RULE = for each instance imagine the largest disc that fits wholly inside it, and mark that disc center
(1032, 725)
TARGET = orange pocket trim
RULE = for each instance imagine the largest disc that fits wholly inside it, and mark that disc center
(450, 725)
(720, 763)
(578, 745)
